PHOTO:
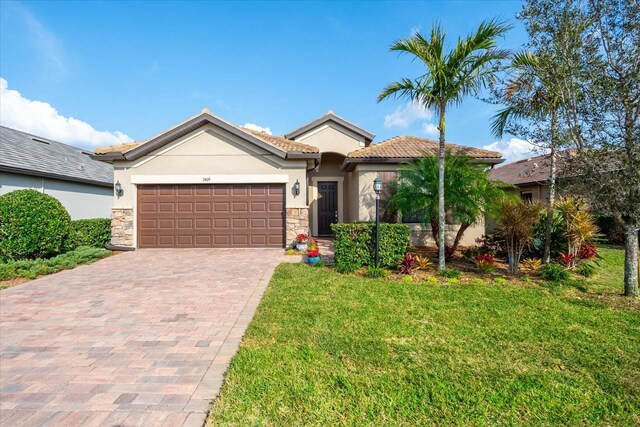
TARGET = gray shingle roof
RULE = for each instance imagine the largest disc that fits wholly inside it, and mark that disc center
(21, 152)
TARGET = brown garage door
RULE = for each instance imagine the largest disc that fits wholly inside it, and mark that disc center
(225, 215)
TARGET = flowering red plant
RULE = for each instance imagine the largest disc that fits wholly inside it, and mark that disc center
(486, 258)
(313, 253)
(407, 264)
(566, 259)
(587, 252)
(302, 237)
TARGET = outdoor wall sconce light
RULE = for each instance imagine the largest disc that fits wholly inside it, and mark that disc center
(296, 189)
(119, 190)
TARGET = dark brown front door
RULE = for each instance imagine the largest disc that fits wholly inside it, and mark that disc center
(327, 206)
(210, 215)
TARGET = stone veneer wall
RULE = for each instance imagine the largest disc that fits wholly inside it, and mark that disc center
(122, 227)
(297, 222)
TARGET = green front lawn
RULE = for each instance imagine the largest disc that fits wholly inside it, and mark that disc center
(332, 349)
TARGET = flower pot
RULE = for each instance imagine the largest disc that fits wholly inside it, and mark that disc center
(301, 246)
(313, 260)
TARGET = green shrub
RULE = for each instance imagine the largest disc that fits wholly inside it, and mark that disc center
(376, 272)
(31, 269)
(94, 232)
(32, 225)
(586, 269)
(450, 273)
(407, 279)
(554, 273)
(477, 281)
(432, 280)
(354, 245)
(500, 280)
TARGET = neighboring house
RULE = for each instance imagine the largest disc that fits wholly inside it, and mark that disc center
(84, 186)
(209, 183)
(530, 176)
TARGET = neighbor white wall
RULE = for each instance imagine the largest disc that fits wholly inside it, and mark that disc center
(81, 200)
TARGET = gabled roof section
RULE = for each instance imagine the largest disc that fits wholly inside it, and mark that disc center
(331, 117)
(28, 154)
(275, 145)
(529, 171)
(400, 149)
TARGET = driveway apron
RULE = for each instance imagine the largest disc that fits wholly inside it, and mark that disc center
(140, 338)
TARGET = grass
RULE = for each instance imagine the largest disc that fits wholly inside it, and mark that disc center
(30, 269)
(332, 349)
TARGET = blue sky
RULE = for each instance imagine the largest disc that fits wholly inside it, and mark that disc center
(141, 67)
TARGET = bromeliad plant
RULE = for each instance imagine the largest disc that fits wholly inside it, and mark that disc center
(485, 263)
(580, 227)
(517, 220)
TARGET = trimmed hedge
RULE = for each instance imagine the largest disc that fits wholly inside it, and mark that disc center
(32, 225)
(354, 244)
(95, 232)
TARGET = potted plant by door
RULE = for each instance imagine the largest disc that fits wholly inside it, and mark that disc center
(301, 242)
(313, 253)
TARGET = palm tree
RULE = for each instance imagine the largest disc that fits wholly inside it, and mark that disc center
(450, 75)
(531, 95)
(471, 195)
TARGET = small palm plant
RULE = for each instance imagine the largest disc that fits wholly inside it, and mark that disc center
(517, 222)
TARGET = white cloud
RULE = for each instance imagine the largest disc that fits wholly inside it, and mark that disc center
(41, 119)
(405, 116)
(513, 149)
(257, 128)
(430, 129)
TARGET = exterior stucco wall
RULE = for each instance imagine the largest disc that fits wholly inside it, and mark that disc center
(332, 137)
(81, 200)
(538, 192)
(420, 236)
(209, 155)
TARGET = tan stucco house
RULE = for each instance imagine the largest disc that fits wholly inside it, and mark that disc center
(209, 183)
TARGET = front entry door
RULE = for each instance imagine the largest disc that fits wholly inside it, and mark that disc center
(327, 206)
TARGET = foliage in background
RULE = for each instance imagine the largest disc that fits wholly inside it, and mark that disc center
(354, 244)
(485, 263)
(449, 76)
(30, 269)
(408, 264)
(376, 272)
(517, 219)
(450, 273)
(579, 227)
(598, 44)
(470, 194)
(94, 232)
(531, 264)
(32, 225)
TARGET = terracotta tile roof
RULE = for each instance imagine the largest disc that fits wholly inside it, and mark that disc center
(404, 147)
(282, 143)
(526, 171)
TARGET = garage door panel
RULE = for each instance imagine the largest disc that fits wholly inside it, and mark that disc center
(229, 215)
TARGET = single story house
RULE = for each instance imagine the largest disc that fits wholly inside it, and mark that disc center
(209, 183)
(84, 186)
(530, 176)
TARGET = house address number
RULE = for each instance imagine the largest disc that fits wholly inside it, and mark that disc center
(206, 179)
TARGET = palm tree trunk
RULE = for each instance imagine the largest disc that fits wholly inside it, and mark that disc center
(552, 189)
(441, 211)
(631, 261)
(459, 234)
(434, 232)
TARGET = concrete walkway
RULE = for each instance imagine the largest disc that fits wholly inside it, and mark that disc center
(140, 338)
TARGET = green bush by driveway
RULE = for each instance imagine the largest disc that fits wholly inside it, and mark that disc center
(31, 269)
(32, 225)
(94, 232)
(332, 349)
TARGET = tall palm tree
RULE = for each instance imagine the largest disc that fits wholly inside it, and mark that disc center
(450, 75)
(531, 94)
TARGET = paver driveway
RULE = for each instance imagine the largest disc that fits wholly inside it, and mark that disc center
(141, 338)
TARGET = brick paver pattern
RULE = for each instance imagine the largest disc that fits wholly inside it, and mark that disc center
(139, 338)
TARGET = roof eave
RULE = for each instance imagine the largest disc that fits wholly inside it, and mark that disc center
(21, 171)
(350, 163)
(368, 136)
(108, 157)
(192, 125)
